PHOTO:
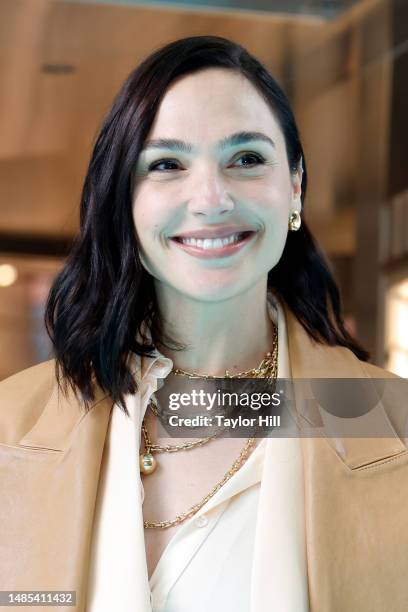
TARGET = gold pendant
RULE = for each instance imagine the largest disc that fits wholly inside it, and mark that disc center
(147, 463)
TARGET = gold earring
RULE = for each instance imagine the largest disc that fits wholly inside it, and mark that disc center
(294, 220)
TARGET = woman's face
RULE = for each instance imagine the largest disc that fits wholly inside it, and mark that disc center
(213, 166)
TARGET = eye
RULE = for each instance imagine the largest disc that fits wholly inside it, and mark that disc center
(249, 160)
(165, 165)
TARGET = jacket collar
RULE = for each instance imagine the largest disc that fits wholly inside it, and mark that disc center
(62, 414)
(311, 360)
(61, 417)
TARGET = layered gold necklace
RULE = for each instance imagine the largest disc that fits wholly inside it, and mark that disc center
(268, 368)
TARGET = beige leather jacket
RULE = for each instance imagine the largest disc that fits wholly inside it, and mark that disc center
(356, 491)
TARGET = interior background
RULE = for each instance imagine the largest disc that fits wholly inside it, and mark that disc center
(343, 64)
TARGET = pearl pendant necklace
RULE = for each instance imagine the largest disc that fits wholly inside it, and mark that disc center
(147, 463)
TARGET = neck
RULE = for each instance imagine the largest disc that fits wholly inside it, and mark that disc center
(233, 334)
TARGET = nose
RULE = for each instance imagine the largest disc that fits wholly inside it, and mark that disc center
(210, 197)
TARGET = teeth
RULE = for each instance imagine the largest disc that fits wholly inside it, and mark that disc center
(211, 243)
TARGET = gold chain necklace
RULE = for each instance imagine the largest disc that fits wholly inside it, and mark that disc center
(267, 369)
(148, 463)
(194, 509)
(259, 372)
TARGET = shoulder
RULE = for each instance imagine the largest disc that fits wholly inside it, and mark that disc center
(23, 397)
(376, 372)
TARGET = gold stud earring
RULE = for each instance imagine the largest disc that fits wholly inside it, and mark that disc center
(294, 220)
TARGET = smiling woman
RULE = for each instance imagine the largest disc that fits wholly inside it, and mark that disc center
(194, 262)
(200, 144)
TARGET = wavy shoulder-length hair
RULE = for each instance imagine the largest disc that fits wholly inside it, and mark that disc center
(103, 296)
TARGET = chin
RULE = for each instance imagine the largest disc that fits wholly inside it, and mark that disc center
(212, 292)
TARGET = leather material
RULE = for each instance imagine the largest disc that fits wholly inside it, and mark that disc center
(356, 489)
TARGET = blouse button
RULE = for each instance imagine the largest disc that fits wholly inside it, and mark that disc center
(201, 521)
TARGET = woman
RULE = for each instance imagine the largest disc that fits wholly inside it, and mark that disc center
(194, 259)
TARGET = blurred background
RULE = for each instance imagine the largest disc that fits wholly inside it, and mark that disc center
(344, 66)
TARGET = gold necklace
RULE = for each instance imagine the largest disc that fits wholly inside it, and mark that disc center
(258, 372)
(235, 466)
(194, 509)
(147, 461)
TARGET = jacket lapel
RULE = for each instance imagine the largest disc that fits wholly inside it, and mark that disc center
(52, 479)
(354, 493)
(311, 360)
(61, 417)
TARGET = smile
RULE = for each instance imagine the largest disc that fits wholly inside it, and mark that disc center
(208, 248)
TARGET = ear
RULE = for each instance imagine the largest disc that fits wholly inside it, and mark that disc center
(297, 186)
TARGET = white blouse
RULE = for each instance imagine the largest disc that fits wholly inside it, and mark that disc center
(207, 565)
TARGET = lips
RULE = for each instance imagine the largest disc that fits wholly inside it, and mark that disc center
(207, 247)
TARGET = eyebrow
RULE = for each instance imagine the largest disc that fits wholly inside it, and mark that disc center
(179, 146)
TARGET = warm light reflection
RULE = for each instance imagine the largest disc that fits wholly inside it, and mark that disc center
(396, 329)
(8, 275)
(402, 289)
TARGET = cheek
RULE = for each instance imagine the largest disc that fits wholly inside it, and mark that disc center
(147, 212)
(272, 191)
(273, 204)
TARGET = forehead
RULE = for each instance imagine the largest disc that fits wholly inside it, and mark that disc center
(210, 104)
